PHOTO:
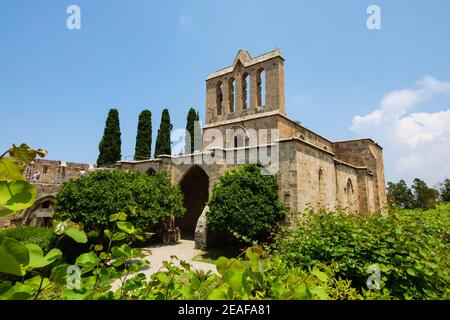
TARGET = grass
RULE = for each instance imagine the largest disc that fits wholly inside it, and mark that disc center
(212, 254)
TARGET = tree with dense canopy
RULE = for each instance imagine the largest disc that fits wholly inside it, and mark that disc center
(111, 143)
(143, 149)
(163, 145)
(245, 201)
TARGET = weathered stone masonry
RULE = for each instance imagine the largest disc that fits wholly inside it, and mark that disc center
(314, 172)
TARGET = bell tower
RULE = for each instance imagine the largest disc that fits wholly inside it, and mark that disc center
(249, 86)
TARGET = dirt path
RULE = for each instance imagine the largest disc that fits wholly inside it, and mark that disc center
(184, 250)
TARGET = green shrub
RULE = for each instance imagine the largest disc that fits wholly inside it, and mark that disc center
(92, 199)
(411, 248)
(43, 237)
(246, 202)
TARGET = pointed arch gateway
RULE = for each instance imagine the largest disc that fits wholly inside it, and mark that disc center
(40, 213)
(195, 187)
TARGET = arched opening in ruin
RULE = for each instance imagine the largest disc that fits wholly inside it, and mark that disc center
(40, 213)
(238, 137)
(219, 98)
(194, 185)
(245, 91)
(261, 88)
(349, 195)
(232, 94)
(151, 172)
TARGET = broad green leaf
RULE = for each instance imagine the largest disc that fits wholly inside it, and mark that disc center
(18, 250)
(126, 226)
(163, 277)
(411, 272)
(18, 292)
(10, 170)
(320, 275)
(59, 274)
(17, 195)
(77, 234)
(108, 233)
(218, 294)
(321, 293)
(88, 260)
(25, 154)
(119, 236)
(124, 251)
(4, 287)
(53, 255)
(35, 282)
(8, 264)
(121, 216)
(233, 279)
(221, 264)
(74, 294)
(59, 227)
(37, 259)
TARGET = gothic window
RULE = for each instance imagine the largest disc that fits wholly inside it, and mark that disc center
(231, 94)
(239, 138)
(45, 205)
(261, 88)
(219, 98)
(349, 194)
(245, 91)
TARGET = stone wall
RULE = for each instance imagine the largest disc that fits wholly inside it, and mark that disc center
(347, 194)
(366, 153)
(55, 172)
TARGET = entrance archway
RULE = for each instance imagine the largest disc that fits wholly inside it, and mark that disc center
(194, 185)
(40, 213)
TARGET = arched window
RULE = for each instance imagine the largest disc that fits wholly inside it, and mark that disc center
(45, 205)
(349, 194)
(261, 88)
(245, 91)
(231, 94)
(321, 186)
(239, 138)
(219, 98)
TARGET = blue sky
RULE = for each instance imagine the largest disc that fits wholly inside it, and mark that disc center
(57, 85)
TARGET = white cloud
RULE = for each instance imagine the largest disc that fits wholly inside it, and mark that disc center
(415, 144)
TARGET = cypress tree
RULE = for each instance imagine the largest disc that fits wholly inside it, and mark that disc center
(198, 133)
(162, 145)
(189, 138)
(110, 144)
(143, 149)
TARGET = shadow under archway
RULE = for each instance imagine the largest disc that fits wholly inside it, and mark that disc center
(195, 186)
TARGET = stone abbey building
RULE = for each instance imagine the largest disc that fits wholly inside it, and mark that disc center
(246, 122)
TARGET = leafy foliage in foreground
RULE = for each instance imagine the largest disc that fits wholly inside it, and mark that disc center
(411, 247)
(92, 199)
(44, 237)
(246, 202)
(115, 272)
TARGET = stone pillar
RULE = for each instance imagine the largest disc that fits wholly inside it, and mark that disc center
(226, 96)
(201, 230)
(252, 90)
